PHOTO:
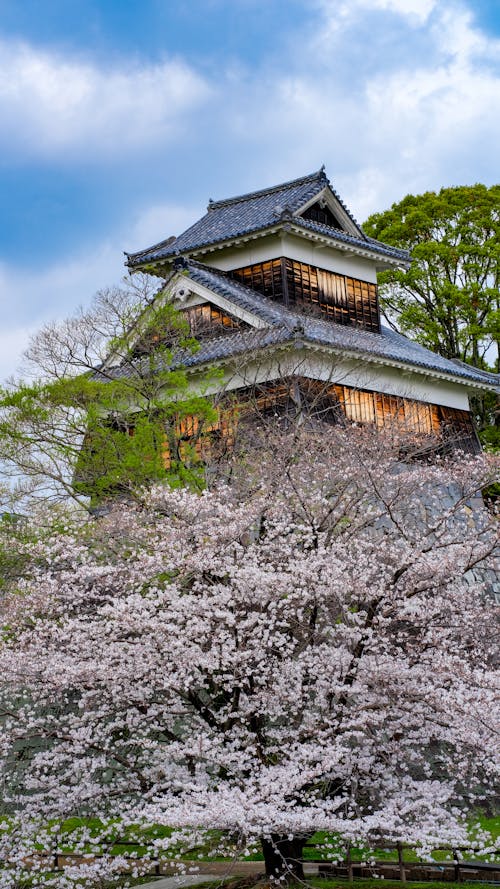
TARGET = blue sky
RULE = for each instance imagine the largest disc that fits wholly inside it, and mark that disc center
(120, 119)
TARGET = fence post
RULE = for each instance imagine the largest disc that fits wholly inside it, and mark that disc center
(402, 872)
(457, 865)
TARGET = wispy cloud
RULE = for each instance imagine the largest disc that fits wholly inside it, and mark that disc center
(29, 299)
(417, 11)
(394, 96)
(426, 117)
(13, 341)
(51, 105)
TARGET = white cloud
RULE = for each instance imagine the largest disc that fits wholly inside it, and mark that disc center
(49, 293)
(158, 222)
(417, 11)
(419, 121)
(339, 15)
(13, 342)
(391, 107)
(52, 106)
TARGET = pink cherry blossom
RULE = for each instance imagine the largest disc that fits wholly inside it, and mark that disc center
(308, 647)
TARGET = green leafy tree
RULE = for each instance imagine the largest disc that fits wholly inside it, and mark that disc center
(449, 298)
(100, 411)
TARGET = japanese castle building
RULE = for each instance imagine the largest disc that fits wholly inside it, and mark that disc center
(280, 288)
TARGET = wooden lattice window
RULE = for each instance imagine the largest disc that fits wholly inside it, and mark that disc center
(362, 406)
(458, 430)
(343, 299)
(269, 399)
(358, 407)
(287, 399)
(195, 439)
(206, 321)
(265, 277)
(445, 428)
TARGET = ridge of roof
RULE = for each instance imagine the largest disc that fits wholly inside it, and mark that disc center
(319, 175)
(251, 212)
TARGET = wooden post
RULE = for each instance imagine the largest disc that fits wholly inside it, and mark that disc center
(402, 872)
(348, 861)
(284, 282)
(457, 865)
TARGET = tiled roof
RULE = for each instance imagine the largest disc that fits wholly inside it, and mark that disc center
(265, 309)
(288, 326)
(222, 347)
(239, 216)
(393, 346)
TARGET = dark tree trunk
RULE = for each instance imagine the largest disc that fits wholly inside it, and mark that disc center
(283, 857)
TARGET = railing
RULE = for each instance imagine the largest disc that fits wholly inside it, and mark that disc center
(403, 868)
(452, 871)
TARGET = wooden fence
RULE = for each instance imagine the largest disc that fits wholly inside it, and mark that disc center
(397, 870)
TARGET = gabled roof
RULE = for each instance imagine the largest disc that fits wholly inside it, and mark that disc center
(264, 210)
(283, 325)
(268, 311)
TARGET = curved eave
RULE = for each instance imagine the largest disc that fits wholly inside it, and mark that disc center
(349, 354)
(291, 226)
(345, 247)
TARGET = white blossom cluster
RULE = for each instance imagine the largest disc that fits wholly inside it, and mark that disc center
(294, 651)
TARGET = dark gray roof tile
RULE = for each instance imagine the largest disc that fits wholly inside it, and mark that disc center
(218, 282)
(238, 216)
(228, 346)
(286, 325)
(388, 343)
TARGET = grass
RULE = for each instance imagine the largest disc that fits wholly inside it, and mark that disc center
(315, 883)
(322, 846)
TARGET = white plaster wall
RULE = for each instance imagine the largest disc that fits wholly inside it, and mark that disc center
(327, 258)
(293, 248)
(258, 250)
(347, 372)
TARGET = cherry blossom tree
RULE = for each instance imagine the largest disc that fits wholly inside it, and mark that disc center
(308, 647)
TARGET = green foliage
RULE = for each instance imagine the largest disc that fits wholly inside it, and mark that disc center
(125, 447)
(490, 438)
(108, 405)
(216, 845)
(13, 562)
(449, 298)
